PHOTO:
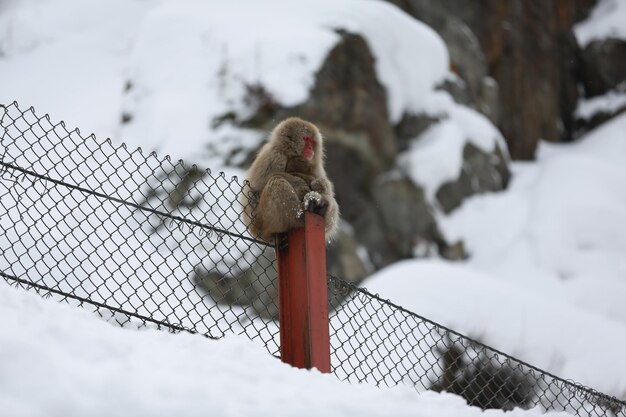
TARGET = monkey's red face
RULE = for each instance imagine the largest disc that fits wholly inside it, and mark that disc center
(309, 148)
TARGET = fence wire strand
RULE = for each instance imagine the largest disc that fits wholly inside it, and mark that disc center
(145, 241)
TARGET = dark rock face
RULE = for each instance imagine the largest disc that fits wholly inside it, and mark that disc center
(352, 173)
(536, 78)
(530, 50)
(481, 172)
(410, 127)
(604, 65)
(343, 259)
(467, 59)
(406, 215)
(389, 217)
(347, 96)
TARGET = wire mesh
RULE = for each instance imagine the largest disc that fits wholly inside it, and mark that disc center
(147, 241)
(376, 341)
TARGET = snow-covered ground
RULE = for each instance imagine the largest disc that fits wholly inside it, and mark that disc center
(61, 361)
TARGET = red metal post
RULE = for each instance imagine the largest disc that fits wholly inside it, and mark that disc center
(303, 296)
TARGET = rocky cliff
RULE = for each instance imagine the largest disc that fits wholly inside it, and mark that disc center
(529, 48)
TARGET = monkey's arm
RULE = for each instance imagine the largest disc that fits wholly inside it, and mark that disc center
(267, 163)
(322, 186)
(325, 188)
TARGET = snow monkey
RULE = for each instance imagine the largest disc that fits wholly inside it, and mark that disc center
(286, 178)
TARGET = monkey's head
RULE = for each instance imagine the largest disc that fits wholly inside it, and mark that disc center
(296, 137)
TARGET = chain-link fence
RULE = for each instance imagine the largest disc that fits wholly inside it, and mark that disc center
(145, 241)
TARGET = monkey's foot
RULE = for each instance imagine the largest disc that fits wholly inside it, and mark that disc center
(315, 203)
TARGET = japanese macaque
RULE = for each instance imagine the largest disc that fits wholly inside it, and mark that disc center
(286, 178)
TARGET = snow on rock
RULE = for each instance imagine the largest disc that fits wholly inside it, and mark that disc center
(607, 20)
(169, 100)
(60, 360)
(607, 103)
(191, 65)
(174, 67)
(436, 156)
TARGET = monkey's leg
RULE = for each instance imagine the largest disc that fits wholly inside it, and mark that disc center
(280, 207)
(299, 184)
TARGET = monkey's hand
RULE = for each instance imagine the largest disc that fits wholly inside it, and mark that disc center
(321, 185)
(315, 203)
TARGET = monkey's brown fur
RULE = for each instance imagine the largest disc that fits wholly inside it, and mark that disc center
(280, 177)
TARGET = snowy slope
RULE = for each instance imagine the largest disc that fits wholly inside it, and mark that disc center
(61, 361)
